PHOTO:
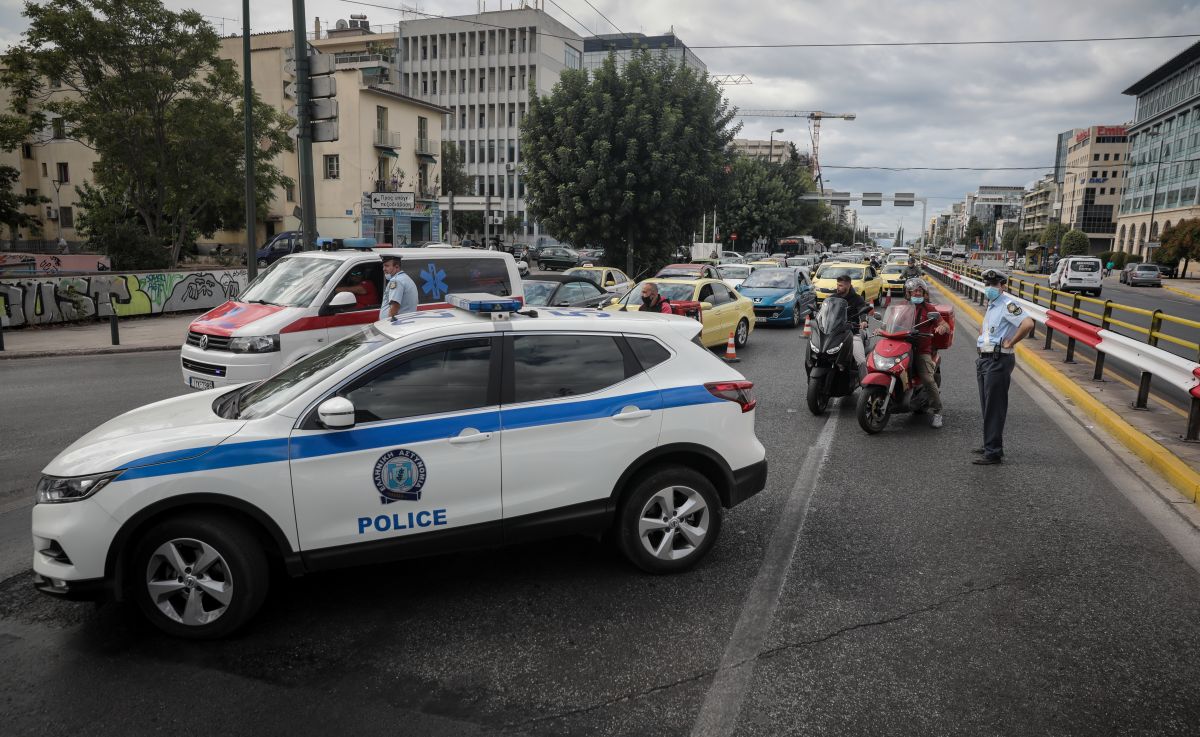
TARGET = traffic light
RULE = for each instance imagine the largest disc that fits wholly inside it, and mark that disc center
(322, 105)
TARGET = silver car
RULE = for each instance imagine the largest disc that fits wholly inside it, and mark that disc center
(1144, 274)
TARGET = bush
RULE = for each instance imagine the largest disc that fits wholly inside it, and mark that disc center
(1120, 258)
(1074, 243)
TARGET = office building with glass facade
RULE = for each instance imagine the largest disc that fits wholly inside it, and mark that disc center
(597, 48)
(1164, 145)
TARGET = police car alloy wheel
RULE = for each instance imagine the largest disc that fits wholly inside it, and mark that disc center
(199, 577)
(669, 520)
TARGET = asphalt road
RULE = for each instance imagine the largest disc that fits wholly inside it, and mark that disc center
(880, 585)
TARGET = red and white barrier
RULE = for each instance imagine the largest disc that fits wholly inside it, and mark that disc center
(1176, 371)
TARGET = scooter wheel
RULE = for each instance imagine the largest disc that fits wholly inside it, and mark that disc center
(872, 416)
(818, 400)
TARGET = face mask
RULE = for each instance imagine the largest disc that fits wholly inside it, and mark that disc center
(647, 301)
(992, 294)
(916, 300)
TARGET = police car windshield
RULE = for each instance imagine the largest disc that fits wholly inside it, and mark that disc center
(283, 387)
(291, 282)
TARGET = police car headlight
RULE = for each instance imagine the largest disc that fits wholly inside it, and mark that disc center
(55, 490)
(786, 299)
(255, 344)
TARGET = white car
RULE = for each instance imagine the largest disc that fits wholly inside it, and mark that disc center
(1078, 274)
(433, 432)
(735, 274)
(303, 302)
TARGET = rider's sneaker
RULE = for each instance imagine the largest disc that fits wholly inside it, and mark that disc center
(937, 421)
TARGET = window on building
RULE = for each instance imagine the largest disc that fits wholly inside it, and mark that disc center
(434, 49)
(1106, 157)
(512, 116)
(491, 186)
(63, 170)
(1095, 157)
(66, 217)
(289, 192)
(1116, 157)
(27, 150)
(482, 80)
(58, 129)
(572, 58)
(482, 119)
(462, 117)
(512, 150)
(512, 80)
(424, 85)
(31, 192)
(44, 169)
(471, 154)
(512, 43)
(482, 45)
(332, 166)
(532, 39)
(491, 150)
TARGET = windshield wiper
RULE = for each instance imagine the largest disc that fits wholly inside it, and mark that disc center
(264, 302)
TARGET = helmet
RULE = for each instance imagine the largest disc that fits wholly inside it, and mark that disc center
(914, 284)
(994, 276)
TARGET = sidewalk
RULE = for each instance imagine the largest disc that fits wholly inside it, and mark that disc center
(1186, 287)
(150, 333)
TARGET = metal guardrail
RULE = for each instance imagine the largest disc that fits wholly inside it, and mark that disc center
(1064, 311)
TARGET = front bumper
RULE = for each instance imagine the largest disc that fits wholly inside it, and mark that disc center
(774, 313)
(92, 589)
(747, 482)
(223, 368)
(70, 548)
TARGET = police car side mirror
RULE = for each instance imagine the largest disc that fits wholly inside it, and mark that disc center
(336, 413)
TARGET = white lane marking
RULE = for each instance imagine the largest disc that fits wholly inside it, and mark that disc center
(719, 712)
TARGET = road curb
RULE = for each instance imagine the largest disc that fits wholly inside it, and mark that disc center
(106, 350)
(1184, 292)
(1178, 473)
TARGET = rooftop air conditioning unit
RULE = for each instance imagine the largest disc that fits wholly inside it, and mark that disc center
(510, 166)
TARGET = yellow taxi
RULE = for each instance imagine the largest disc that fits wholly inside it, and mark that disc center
(863, 278)
(605, 277)
(724, 311)
(893, 278)
(768, 263)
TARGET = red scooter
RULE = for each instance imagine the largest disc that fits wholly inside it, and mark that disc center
(891, 385)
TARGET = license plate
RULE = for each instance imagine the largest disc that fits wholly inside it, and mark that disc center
(760, 319)
(200, 383)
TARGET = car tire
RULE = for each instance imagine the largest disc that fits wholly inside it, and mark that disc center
(796, 320)
(741, 336)
(682, 539)
(234, 568)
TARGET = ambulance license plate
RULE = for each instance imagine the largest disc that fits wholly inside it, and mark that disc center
(200, 383)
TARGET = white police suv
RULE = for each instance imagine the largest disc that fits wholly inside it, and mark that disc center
(441, 430)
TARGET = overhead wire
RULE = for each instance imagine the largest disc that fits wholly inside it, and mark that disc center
(564, 10)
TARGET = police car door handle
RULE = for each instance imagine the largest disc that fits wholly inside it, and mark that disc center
(470, 435)
(631, 413)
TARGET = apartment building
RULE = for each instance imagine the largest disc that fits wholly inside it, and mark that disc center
(1094, 180)
(1041, 205)
(483, 69)
(769, 150)
(1164, 146)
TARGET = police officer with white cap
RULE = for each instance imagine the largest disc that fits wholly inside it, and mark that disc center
(1004, 325)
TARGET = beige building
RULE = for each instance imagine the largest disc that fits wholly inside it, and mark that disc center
(1040, 206)
(774, 151)
(1094, 180)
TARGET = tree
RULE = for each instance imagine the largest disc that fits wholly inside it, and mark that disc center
(14, 129)
(757, 203)
(147, 91)
(454, 176)
(974, 229)
(512, 224)
(1181, 241)
(1074, 243)
(628, 160)
(467, 222)
(1008, 241)
(1052, 234)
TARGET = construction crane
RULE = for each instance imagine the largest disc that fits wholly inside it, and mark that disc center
(814, 118)
(729, 80)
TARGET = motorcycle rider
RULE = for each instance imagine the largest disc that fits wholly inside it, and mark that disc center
(917, 292)
(912, 271)
(858, 321)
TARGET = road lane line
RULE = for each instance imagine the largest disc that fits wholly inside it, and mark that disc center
(719, 712)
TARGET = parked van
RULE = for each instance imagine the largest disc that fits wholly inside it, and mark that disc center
(1078, 274)
(307, 300)
(946, 253)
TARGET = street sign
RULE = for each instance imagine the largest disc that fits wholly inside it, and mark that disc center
(905, 199)
(393, 200)
(840, 199)
(733, 236)
(872, 199)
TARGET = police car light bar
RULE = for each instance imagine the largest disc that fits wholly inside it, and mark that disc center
(483, 302)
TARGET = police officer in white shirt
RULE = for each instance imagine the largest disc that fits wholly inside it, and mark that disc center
(1004, 325)
(399, 291)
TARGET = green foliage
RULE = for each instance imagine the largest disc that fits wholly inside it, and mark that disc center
(1074, 243)
(454, 176)
(512, 224)
(1181, 241)
(974, 230)
(1052, 234)
(466, 222)
(627, 160)
(113, 228)
(1009, 241)
(763, 199)
(14, 129)
(147, 91)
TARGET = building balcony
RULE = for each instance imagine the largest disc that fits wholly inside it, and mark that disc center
(427, 146)
(384, 185)
(431, 195)
(387, 139)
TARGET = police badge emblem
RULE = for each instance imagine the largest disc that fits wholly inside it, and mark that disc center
(399, 475)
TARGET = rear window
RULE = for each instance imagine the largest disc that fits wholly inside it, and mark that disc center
(436, 277)
(1147, 267)
(1085, 266)
(649, 352)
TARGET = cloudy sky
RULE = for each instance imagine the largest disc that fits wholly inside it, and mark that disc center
(964, 106)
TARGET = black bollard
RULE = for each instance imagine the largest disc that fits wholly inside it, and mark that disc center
(112, 327)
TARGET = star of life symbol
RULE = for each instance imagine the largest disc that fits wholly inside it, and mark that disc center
(433, 281)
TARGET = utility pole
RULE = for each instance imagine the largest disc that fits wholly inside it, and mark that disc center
(248, 116)
(308, 202)
(1153, 198)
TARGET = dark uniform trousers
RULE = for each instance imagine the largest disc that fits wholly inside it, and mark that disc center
(993, 373)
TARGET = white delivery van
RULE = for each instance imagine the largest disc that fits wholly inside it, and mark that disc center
(1078, 274)
(307, 300)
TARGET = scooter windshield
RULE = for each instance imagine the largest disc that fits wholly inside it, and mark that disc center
(899, 318)
(832, 316)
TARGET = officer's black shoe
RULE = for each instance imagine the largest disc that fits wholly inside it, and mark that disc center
(980, 451)
(987, 461)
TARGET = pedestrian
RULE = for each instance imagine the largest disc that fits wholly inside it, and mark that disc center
(1108, 268)
(1005, 324)
(399, 292)
(652, 301)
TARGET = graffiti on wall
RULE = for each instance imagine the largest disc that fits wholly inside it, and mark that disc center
(15, 264)
(42, 300)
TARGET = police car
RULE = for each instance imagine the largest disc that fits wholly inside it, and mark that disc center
(441, 430)
(310, 299)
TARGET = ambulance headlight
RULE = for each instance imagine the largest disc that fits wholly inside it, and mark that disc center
(255, 344)
(55, 490)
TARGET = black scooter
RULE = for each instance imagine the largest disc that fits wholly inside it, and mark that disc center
(829, 360)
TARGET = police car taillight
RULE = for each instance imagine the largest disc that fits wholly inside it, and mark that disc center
(484, 303)
(741, 392)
